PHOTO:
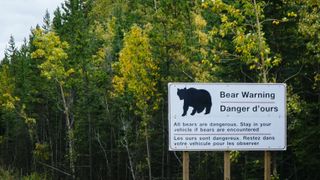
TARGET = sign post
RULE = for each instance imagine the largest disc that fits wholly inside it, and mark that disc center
(267, 165)
(226, 117)
(185, 162)
(227, 170)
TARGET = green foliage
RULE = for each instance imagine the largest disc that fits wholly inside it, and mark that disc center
(41, 151)
(10, 175)
(7, 99)
(34, 176)
(309, 27)
(234, 156)
(237, 33)
(6, 174)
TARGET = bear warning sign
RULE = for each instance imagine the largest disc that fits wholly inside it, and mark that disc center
(227, 116)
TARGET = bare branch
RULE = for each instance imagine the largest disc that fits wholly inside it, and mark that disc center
(175, 155)
(294, 75)
(54, 168)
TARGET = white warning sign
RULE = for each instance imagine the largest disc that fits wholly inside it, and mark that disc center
(227, 116)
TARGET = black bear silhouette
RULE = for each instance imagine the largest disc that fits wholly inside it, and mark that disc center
(199, 99)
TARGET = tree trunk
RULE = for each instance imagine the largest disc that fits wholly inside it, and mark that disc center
(90, 143)
(70, 135)
(264, 72)
(126, 145)
(164, 140)
(148, 152)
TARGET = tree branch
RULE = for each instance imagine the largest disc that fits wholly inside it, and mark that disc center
(54, 168)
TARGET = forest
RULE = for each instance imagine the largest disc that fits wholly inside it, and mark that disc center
(85, 96)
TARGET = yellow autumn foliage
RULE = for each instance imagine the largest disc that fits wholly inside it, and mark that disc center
(52, 49)
(137, 72)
